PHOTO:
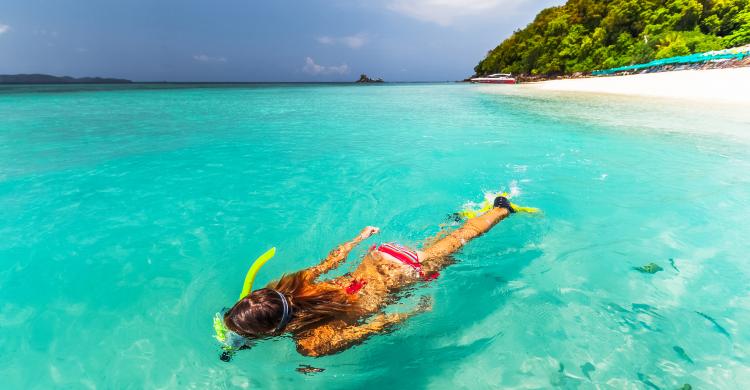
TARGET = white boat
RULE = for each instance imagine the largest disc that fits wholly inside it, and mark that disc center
(497, 78)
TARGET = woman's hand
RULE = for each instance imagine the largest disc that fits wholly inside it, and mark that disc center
(368, 232)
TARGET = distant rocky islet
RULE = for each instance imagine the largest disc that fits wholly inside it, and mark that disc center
(363, 78)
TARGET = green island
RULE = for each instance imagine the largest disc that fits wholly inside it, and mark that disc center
(587, 35)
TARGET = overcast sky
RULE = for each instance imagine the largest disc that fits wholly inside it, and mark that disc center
(251, 40)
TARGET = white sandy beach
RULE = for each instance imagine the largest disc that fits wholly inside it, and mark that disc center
(730, 85)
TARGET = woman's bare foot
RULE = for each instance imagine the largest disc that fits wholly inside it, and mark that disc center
(368, 232)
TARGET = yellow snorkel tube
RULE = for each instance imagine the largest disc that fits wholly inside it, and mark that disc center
(247, 287)
(231, 341)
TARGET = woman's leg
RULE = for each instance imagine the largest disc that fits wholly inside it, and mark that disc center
(437, 254)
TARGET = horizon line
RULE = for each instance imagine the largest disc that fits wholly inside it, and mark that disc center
(237, 82)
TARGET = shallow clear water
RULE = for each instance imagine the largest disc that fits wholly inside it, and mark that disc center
(128, 217)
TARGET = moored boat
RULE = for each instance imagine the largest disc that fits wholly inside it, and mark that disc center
(497, 78)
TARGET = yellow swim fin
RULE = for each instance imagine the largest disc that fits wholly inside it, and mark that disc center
(517, 208)
(524, 209)
(469, 213)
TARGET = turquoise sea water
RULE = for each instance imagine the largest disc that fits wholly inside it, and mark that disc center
(129, 215)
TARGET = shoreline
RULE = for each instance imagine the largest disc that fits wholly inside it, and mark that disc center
(727, 85)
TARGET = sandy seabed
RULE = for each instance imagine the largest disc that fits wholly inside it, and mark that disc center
(729, 85)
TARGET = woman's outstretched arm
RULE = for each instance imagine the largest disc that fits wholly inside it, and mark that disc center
(336, 337)
(339, 254)
(329, 339)
(473, 228)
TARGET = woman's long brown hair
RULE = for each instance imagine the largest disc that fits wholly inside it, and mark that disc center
(312, 304)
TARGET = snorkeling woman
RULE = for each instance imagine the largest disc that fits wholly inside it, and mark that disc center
(328, 316)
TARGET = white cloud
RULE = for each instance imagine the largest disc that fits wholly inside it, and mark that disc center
(205, 58)
(353, 41)
(445, 12)
(312, 68)
(4, 28)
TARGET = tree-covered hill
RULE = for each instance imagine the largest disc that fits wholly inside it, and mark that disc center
(585, 35)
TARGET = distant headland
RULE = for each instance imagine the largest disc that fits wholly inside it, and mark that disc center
(49, 79)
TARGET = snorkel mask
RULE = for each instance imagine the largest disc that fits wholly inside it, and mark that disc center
(231, 341)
